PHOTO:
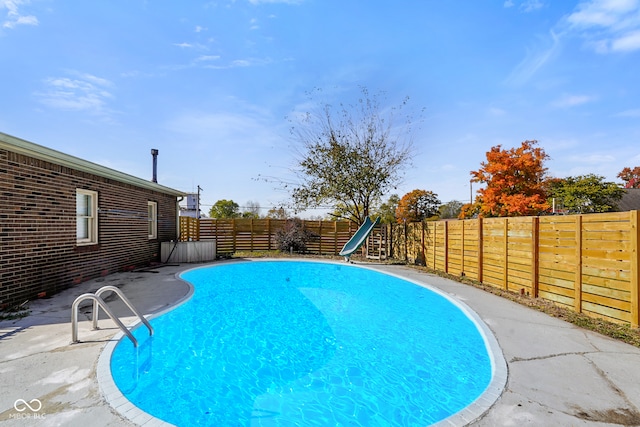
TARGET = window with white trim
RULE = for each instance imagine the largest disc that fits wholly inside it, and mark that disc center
(86, 217)
(152, 209)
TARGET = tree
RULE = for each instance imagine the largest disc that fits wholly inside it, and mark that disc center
(278, 213)
(515, 182)
(251, 210)
(631, 177)
(417, 205)
(585, 193)
(387, 210)
(450, 209)
(224, 209)
(350, 156)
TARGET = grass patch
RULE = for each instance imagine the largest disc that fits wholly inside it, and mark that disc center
(17, 312)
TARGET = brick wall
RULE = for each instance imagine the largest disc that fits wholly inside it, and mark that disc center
(38, 251)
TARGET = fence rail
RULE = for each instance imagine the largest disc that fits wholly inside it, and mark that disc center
(243, 234)
(588, 263)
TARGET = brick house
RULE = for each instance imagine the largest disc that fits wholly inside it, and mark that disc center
(64, 220)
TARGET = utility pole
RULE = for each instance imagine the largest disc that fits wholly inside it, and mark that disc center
(471, 191)
(198, 201)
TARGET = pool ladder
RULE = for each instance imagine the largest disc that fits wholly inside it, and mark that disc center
(99, 302)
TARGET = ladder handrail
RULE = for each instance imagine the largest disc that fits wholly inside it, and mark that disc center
(97, 300)
(96, 306)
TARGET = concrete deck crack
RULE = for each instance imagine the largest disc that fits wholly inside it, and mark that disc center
(550, 356)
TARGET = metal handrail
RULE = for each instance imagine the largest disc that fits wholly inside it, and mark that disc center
(96, 307)
(99, 301)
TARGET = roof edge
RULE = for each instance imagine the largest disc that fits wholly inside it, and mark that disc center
(21, 146)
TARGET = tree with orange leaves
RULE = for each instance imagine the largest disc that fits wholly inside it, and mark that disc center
(631, 177)
(417, 205)
(515, 182)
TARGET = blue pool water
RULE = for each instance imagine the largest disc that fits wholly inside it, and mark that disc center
(292, 343)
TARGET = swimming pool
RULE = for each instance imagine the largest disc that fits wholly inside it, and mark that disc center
(276, 343)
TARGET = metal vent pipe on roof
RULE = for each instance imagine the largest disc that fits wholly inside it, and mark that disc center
(154, 153)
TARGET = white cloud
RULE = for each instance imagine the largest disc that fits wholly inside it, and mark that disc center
(205, 58)
(627, 42)
(535, 59)
(82, 92)
(495, 111)
(191, 46)
(607, 25)
(567, 101)
(531, 5)
(224, 127)
(14, 16)
(603, 13)
(276, 1)
(239, 63)
(629, 113)
(593, 159)
(526, 5)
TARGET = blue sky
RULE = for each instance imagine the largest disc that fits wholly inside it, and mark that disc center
(211, 83)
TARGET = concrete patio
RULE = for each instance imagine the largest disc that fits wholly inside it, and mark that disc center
(558, 374)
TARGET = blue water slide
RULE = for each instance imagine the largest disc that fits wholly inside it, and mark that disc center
(359, 237)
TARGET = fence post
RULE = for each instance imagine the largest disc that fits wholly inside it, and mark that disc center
(462, 273)
(480, 251)
(634, 284)
(422, 252)
(535, 256)
(505, 276)
(577, 284)
(434, 245)
(406, 242)
(251, 228)
(446, 247)
(269, 234)
(234, 232)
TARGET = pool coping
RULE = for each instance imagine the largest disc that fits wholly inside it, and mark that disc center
(470, 413)
(110, 390)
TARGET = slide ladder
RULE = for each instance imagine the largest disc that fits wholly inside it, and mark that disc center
(99, 302)
(377, 244)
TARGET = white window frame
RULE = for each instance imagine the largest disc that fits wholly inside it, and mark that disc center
(152, 215)
(90, 217)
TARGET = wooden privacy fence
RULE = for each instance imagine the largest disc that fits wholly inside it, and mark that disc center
(243, 234)
(588, 263)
